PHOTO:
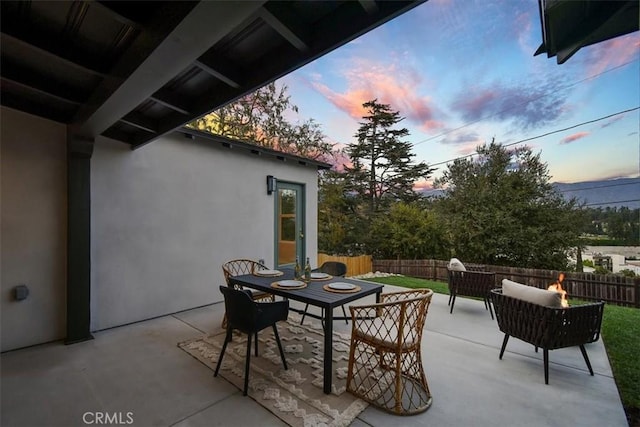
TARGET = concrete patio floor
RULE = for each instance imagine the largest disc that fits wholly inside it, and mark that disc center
(138, 371)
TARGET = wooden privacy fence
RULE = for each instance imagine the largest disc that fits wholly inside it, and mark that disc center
(611, 288)
(355, 264)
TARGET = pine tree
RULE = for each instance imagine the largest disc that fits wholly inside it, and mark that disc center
(382, 168)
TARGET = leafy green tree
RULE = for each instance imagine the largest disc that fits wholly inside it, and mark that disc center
(627, 273)
(335, 219)
(623, 225)
(382, 168)
(502, 210)
(342, 230)
(261, 118)
(598, 269)
(620, 225)
(408, 231)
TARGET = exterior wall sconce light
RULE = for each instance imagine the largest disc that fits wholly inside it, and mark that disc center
(271, 184)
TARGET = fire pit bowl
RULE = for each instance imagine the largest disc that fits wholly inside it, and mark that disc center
(547, 327)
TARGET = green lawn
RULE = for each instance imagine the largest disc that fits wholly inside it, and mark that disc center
(620, 333)
(412, 282)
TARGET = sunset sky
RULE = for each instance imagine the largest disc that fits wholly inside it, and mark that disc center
(463, 72)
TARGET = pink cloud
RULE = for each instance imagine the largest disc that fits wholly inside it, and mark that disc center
(465, 142)
(521, 27)
(612, 53)
(388, 84)
(339, 159)
(530, 104)
(423, 185)
(350, 102)
(477, 104)
(576, 136)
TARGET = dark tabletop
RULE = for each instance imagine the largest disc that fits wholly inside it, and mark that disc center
(313, 294)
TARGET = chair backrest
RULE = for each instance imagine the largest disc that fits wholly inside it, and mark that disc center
(472, 283)
(548, 327)
(241, 310)
(407, 310)
(334, 268)
(238, 267)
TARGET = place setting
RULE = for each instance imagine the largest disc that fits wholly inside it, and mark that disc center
(341, 287)
(268, 273)
(289, 284)
(320, 276)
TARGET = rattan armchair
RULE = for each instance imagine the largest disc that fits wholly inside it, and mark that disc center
(385, 363)
(470, 283)
(239, 267)
(546, 327)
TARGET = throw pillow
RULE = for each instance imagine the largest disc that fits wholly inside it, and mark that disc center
(456, 265)
(531, 294)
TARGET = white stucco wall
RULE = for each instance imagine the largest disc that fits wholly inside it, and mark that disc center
(167, 216)
(164, 219)
(33, 228)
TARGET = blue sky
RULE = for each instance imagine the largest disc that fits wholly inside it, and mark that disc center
(463, 72)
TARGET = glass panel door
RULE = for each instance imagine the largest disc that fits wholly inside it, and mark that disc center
(289, 224)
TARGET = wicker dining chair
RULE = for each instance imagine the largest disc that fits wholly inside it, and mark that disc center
(239, 267)
(385, 363)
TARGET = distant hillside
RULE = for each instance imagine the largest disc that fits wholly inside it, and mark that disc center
(597, 194)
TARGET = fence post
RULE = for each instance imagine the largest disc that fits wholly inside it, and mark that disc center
(636, 292)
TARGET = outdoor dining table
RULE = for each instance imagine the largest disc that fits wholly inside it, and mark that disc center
(314, 294)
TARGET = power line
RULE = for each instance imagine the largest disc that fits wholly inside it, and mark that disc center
(600, 186)
(610, 203)
(543, 135)
(526, 102)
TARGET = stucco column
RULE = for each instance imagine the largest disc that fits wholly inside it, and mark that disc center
(79, 151)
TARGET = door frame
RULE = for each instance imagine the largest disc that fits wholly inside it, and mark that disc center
(300, 216)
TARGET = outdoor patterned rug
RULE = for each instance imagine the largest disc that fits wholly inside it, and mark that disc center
(295, 395)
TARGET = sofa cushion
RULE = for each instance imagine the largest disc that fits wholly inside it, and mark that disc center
(531, 294)
(456, 265)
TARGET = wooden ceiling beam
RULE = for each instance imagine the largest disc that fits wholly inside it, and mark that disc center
(118, 15)
(206, 64)
(286, 27)
(43, 84)
(176, 48)
(49, 54)
(141, 122)
(369, 6)
(35, 90)
(163, 97)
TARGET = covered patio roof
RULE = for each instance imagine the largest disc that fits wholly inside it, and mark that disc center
(134, 71)
(568, 25)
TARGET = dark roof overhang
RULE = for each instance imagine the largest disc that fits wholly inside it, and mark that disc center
(254, 149)
(136, 70)
(568, 25)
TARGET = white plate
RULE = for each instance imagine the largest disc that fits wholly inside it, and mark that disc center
(290, 283)
(319, 275)
(342, 286)
(268, 273)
